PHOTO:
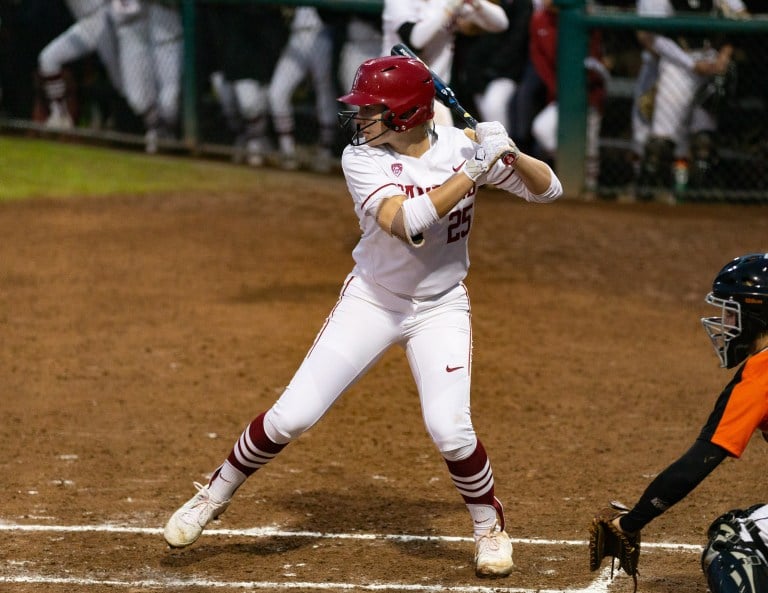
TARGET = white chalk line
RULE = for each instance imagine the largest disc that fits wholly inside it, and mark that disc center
(274, 532)
(599, 585)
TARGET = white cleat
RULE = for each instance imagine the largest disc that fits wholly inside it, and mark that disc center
(151, 141)
(493, 554)
(255, 151)
(59, 119)
(288, 161)
(188, 522)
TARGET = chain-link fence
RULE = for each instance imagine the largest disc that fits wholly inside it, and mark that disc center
(257, 81)
(674, 136)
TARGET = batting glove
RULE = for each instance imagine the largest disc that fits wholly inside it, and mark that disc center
(493, 147)
(493, 128)
(489, 128)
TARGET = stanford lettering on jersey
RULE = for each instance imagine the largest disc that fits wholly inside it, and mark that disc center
(414, 190)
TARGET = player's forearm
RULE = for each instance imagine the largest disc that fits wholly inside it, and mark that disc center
(674, 484)
(402, 218)
(450, 193)
(538, 177)
(419, 34)
(666, 48)
(490, 17)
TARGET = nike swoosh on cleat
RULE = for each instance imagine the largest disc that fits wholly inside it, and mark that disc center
(449, 369)
(456, 169)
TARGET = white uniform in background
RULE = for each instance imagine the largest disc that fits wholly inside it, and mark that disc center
(362, 43)
(674, 113)
(435, 23)
(151, 52)
(93, 31)
(308, 52)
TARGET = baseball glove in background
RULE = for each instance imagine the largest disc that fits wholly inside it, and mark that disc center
(605, 539)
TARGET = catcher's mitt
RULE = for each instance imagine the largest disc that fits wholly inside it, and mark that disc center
(605, 539)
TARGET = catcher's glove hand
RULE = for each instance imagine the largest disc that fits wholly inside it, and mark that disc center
(605, 539)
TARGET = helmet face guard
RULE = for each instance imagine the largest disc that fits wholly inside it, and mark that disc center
(740, 291)
(354, 125)
(402, 86)
(724, 331)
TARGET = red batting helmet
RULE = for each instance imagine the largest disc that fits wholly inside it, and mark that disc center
(403, 85)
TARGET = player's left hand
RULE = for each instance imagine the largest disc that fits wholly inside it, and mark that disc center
(485, 130)
(606, 538)
(489, 128)
(491, 149)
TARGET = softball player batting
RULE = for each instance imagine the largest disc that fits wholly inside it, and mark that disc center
(430, 26)
(413, 186)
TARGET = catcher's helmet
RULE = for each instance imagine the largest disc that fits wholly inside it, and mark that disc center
(740, 290)
(402, 85)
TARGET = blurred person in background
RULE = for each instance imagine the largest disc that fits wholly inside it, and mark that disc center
(150, 39)
(362, 41)
(643, 95)
(429, 28)
(242, 43)
(543, 54)
(488, 67)
(308, 52)
(92, 31)
(529, 99)
(677, 128)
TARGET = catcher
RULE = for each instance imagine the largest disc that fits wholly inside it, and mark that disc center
(739, 336)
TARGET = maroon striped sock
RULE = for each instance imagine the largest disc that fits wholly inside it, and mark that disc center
(473, 477)
(253, 450)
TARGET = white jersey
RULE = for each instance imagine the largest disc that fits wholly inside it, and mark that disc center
(376, 173)
(306, 17)
(438, 53)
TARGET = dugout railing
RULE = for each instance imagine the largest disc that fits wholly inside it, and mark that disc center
(742, 135)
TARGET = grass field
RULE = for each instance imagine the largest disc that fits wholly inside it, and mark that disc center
(41, 168)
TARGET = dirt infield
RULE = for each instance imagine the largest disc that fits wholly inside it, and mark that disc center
(139, 335)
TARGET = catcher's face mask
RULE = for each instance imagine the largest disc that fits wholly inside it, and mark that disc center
(723, 329)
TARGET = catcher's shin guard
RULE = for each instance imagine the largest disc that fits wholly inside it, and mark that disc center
(731, 563)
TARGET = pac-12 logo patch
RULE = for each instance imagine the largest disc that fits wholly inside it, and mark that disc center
(397, 168)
